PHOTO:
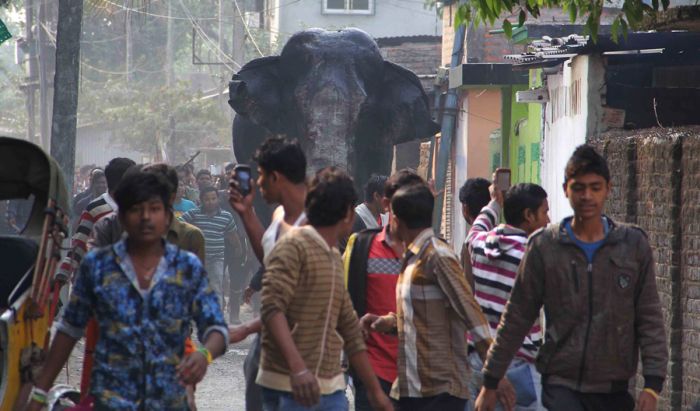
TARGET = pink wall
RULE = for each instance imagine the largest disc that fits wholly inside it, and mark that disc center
(484, 116)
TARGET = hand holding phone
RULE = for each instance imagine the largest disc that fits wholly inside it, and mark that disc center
(242, 175)
(502, 179)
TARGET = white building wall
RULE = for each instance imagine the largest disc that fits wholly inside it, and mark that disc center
(391, 18)
(565, 128)
(95, 145)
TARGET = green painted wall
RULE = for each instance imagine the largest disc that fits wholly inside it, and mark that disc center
(524, 136)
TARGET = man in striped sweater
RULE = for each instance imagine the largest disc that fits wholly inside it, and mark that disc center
(98, 208)
(496, 251)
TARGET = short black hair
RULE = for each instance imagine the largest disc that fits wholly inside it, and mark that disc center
(205, 190)
(413, 204)
(167, 171)
(331, 195)
(229, 166)
(475, 194)
(115, 171)
(138, 186)
(203, 172)
(586, 160)
(521, 197)
(375, 184)
(283, 156)
(401, 178)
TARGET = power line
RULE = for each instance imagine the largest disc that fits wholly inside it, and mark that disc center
(247, 30)
(163, 16)
(52, 38)
(204, 35)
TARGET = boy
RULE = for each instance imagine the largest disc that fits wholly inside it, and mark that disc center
(435, 310)
(495, 252)
(596, 280)
(373, 264)
(303, 278)
(143, 293)
(217, 225)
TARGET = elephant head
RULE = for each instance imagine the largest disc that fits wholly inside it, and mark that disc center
(333, 91)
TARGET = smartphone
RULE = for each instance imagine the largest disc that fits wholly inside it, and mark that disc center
(503, 179)
(242, 176)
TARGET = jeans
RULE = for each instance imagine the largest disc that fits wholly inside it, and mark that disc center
(215, 274)
(558, 398)
(442, 402)
(274, 400)
(361, 400)
(477, 379)
(253, 392)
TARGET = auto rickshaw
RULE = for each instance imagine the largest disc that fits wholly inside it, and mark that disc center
(29, 295)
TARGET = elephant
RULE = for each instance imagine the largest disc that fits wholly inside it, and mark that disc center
(333, 92)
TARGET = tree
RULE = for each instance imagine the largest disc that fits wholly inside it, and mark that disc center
(630, 16)
(140, 117)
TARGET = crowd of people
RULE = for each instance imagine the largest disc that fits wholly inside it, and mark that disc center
(530, 316)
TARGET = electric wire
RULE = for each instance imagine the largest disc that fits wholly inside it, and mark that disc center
(247, 30)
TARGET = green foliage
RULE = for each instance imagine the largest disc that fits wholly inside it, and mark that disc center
(140, 116)
(488, 11)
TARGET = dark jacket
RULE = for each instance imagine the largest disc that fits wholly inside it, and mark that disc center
(598, 316)
(356, 260)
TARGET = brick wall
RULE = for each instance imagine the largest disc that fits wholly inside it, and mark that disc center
(656, 184)
(420, 54)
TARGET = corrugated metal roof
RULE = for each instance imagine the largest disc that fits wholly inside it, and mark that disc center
(554, 51)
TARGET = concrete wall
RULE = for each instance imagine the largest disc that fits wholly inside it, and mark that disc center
(391, 18)
(567, 123)
(656, 184)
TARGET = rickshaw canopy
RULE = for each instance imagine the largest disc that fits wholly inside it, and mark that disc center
(25, 169)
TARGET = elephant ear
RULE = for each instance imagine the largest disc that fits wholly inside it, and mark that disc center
(255, 93)
(404, 106)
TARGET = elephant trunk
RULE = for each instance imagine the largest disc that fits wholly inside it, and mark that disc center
(333, 115)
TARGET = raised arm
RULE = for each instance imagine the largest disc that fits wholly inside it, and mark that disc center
(488, 216)
(244, 207)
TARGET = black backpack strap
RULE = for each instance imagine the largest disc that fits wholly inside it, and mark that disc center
(357, 269)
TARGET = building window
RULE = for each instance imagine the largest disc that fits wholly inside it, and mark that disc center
(348, 6)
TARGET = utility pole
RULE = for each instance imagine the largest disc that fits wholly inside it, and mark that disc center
(45, 56)
(65, 98)
(169, 52)
(239, 36)
(127, 30)
(30, 83)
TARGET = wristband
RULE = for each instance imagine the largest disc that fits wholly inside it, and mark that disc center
(300, 373)
(203, 350)
(39, 395)
(652, 392)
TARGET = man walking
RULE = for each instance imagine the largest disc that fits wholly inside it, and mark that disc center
(373, 264)
(144, 293)
(300, 366)
(370, 213)
(435, 310)
(98, 208)
(218, 226)
(281, 180)
(474, 195)
(596, 280)
(495, 252)
(97, 187)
